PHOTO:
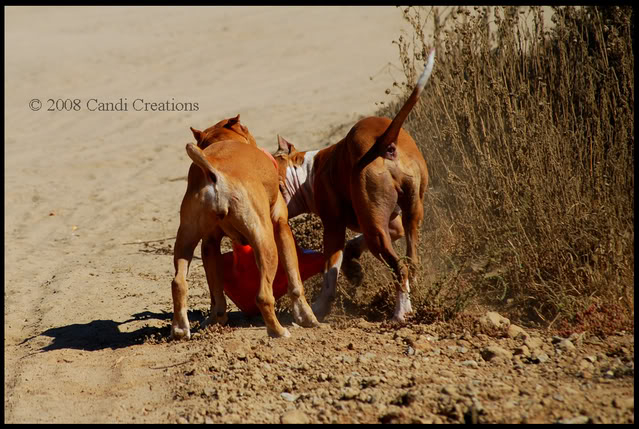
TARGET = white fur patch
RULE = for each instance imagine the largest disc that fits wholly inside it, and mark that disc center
(427, 70)
(299, 186)
(402, 306)
(212, 197)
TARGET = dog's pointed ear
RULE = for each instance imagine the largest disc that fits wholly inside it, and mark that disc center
(197, 134)
(283, 145)
(234, 121)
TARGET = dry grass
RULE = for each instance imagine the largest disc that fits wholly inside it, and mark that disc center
(529, 134)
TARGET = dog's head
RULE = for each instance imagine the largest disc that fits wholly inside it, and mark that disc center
(226, 129)
(286, 156)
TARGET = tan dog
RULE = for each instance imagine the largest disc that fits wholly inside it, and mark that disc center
(362, 183)
(233, 191)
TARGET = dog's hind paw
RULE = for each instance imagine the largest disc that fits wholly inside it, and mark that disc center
(321, 308)
(303, 315)
(180, 334)
(354, 248)
(403, 307)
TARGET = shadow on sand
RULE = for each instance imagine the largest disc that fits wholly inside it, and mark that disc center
(106, 334)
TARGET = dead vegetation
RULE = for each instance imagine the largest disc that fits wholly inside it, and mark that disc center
(528, 132)
(529, 136)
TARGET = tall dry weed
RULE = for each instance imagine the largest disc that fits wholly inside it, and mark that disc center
(528, 132)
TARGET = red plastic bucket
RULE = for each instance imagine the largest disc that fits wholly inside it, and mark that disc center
(242, 279)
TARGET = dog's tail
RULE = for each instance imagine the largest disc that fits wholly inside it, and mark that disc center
(215, 200)
(391, 133)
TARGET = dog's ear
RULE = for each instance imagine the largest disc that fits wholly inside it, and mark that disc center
(283, 145)
(236, 121)
(197, 134)
(235, 125)
(233, 121)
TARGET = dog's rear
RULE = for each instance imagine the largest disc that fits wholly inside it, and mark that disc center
(233, 191)
(372, 181)
(387, 196)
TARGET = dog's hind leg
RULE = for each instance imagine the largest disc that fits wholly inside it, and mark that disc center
(379, 243)
(214, 266)
(351, 267)
(357, 245)
(265, 249)
(412, 219)
(187, 238)
(287, 253)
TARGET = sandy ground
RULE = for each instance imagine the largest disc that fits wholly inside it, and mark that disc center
(81, 184)
(92, 202)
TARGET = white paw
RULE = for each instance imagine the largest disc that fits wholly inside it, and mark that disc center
(178, 333)
(402, 306)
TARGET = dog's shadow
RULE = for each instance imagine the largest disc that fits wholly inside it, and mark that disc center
(106, 334)
(100, 334)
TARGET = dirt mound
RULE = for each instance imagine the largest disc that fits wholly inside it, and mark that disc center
(354, 371)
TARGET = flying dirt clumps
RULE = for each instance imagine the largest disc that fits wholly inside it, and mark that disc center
(307, 229)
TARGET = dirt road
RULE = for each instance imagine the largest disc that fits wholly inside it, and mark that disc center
(97, 112)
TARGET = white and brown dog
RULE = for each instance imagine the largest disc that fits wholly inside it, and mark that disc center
(364, 182)
(233, 191)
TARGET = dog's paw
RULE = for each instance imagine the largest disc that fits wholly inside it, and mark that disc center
(283, 333)
(403, 307)
(354, 248)
(180, 333)
(220, 319)
(303, 315)
(309, 322)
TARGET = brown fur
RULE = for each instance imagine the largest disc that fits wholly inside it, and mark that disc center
(361, 183)
(233, 191)
(226, 129)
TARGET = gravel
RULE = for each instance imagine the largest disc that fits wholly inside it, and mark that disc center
(357, 371)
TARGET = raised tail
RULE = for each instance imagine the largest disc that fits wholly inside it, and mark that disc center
(392, 132)
(215, 197)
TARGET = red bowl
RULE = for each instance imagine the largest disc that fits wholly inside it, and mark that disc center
(242, 279)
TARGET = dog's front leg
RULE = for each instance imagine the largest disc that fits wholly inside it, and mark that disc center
(214, 266)
(187, 239)
(334, 237)
(287, 254)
